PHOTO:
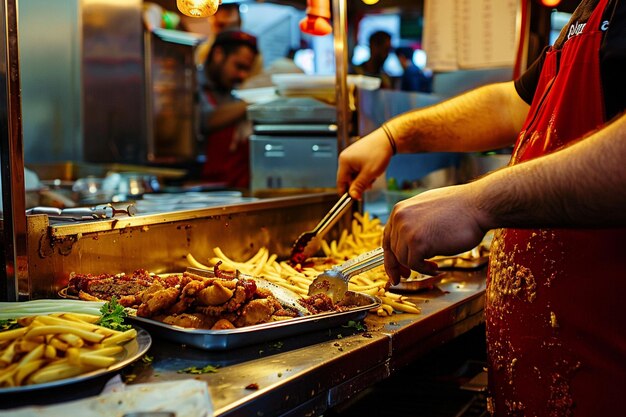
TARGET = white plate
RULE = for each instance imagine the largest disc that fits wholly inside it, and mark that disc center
(133, 350)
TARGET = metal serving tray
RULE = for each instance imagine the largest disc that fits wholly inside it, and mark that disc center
(250, 335)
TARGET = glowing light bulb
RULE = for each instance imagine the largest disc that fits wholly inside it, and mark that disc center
(370, 2)
(198, 8)
(550, 3)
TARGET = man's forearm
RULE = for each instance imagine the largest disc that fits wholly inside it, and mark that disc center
(582, 185)
(483, 119)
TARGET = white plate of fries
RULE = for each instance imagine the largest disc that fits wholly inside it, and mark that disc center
(64, 348)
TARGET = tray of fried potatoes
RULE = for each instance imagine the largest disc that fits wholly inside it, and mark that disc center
(56, 349)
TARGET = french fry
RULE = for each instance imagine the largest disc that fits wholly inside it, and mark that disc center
(23, 371)
(6, 375)
(103, 351)
(407, 308)
(61, 321)
(44, 330)
(80, 317)
(195, 263)
(7, 355)
(59, 344)
(96, 361)
(53, 373)
(120, 337)
(50, 352)
(13, 334)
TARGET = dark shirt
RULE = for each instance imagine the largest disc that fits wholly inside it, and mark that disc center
(414, 79)
(612, 55)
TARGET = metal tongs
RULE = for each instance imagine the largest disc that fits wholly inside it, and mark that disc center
(308, 243)
(103, 211)
(334, 282)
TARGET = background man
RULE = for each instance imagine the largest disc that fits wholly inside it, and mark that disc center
(222, 116)
(380, 46)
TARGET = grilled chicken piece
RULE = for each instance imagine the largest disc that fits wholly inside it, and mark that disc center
(158, 301)
(257, 311)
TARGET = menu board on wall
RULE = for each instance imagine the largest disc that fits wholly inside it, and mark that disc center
(439, 35)
(465, 34)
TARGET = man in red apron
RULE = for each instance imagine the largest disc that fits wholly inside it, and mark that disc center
(222, 116)
(556, 325)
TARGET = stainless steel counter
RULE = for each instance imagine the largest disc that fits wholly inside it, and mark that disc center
(308, 374)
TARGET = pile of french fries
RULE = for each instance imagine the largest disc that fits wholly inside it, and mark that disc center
(366, 234)
(52, 347)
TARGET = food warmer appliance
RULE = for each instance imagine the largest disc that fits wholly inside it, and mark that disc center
(294, 144)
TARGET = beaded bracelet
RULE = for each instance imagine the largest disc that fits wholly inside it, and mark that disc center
(392, 141)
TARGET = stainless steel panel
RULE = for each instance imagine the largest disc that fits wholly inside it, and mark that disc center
(113, 81)
(293, 162)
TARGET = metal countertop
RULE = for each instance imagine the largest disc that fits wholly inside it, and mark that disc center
(308, 374)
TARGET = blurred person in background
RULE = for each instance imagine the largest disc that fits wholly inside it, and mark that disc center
(554, 301)
(380, 46)
(222, 116)
(413, 78)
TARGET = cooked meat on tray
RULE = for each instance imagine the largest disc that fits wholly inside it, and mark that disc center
(189, 300)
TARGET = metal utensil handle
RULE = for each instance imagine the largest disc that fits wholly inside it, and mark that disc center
(363, 262)
(333, 215)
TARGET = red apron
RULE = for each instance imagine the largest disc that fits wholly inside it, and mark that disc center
(556, 327)
(224, 165)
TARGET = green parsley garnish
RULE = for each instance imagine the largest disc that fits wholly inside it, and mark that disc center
(209, 369)
(357, 325)
(8, 324)
(113, 316)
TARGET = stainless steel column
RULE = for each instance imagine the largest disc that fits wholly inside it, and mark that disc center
(13, 226)
(340, 44)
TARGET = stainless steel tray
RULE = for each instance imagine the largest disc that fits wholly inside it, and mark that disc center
(250, 335)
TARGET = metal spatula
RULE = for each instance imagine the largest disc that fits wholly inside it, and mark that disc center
(334, 282)
(309, 242)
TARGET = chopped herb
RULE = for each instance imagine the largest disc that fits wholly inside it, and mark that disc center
(147, 359)
(357, 325)
(339, 336)
(209, 369)
(277, 345)
(113, 316)
(8, 324)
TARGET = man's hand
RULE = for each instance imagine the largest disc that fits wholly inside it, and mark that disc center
(443, 221)
(362, 162)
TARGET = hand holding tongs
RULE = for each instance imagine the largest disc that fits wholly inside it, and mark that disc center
(334, 282)
(309, 242)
